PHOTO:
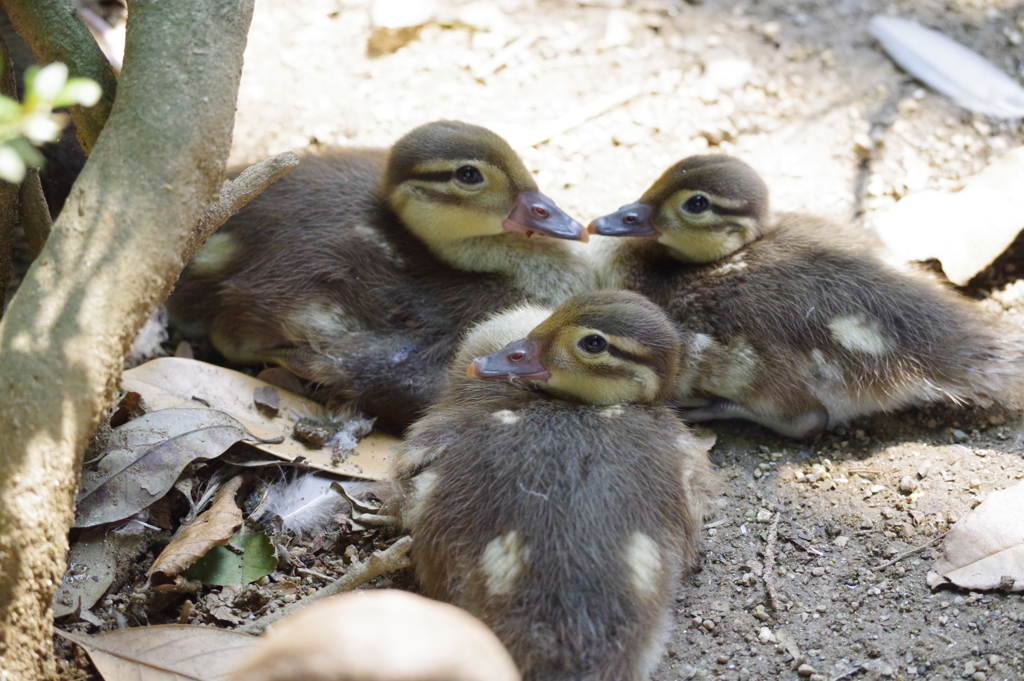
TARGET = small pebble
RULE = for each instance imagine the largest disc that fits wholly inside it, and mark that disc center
(818, 572)
(907, 485)
(766, 635)
(805, 670)
(959, 435)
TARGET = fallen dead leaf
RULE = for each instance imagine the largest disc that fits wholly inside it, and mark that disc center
(985, 548)
(966, 229)
(214, 527)
(146, 457)
(92, 565)
(175, 382)
(339, 638)
(166, 652)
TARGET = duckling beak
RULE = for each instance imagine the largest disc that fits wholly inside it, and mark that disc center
(632, 220)
(519, 359)
(536, 213)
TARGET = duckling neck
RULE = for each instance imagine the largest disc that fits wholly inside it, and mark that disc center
(548, 270)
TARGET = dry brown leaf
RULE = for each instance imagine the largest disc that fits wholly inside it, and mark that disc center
(92, 564)
(145, 458)
(214, 527)
(966, 229)
(165, 653)
(340, 638)
(985, 548)
(172, 382)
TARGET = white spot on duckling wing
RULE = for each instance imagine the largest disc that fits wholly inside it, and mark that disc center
(215, 254)
(857, 333)
(423, 486)
(320, 318)
(506, 417)
(643, 560)
(502, 562)
(739, 364)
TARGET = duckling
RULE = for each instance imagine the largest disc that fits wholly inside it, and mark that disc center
(551, 493)
(359, 269)
(787, 320)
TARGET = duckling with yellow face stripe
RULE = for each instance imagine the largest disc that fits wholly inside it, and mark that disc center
(361, 267)
(558, 499)
(788, 321)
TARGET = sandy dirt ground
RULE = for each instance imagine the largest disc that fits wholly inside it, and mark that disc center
(599, 97)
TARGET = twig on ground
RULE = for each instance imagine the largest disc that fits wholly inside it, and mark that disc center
(395, 557)
(314, 573)
(769, 564)
(911, 552)
(581, 115)
(237, 193)
(800, 545)
(504, 55)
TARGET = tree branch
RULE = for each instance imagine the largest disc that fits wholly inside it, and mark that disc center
(395, 557)
(8, 191)
(239, 192)
(55, 32)
(112, 257)
(35, 214)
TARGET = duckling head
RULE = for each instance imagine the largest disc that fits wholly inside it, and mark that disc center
(702, 208)
(449, 181)
(603, 347)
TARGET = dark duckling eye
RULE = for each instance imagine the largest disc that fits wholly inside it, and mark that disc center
(593, 344)
(469, 175)
(696, 204)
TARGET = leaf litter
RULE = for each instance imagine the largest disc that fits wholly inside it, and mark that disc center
(214, 527)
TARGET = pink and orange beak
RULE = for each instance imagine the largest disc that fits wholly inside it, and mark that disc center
(537, 214)
(519, 359)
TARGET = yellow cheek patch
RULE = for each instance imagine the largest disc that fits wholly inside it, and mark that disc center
(437, 222)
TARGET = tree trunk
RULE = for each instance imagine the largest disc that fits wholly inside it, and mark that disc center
(114, 254)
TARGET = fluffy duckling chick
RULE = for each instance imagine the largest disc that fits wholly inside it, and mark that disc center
(360, 268)
(557, 499)
(787, 321)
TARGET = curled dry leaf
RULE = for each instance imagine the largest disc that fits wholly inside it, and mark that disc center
(339, 639)
(168, 652)
(966, 229)
(985, 548)
(213, 527)
(145, 458)
(172, 382)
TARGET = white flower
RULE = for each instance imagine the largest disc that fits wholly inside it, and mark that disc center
(12, 168)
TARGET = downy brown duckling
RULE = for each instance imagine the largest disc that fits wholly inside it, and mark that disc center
(788, 322)
(361, 267)
(552, 494)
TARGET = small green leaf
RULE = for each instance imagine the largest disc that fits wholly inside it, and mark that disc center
(79, 91)
(12, 168)
(49, 81)
(9, 108)
(222, 566)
